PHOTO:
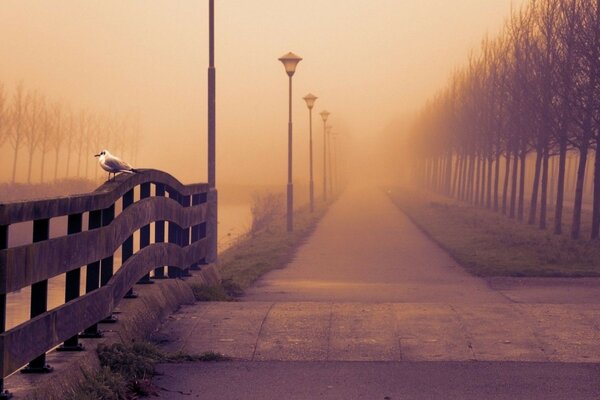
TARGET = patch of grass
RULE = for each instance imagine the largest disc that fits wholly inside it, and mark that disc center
(265, 249)
(490, 244)
(210, 356)
(210, 293)
(127, 371)
(101, 385)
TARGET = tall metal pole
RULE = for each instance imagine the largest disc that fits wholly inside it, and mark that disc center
(212, 182)
(290, 185)
(329, 160)
(312, 189)
(325, 160)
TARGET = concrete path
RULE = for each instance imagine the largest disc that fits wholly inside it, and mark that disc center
(371, 308)
(366, 250)
(317, 331)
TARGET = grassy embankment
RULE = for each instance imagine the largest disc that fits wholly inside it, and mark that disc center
(266, 247)
(490, 244)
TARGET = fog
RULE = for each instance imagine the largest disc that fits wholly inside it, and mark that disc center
(369, 62)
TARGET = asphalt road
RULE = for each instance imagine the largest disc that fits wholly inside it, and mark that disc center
(379, 381)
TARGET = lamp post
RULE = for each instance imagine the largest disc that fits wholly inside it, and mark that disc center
(324, 116)
(211, 255)
(335, 156)
(290, 61)
(329, 158)
(310, 102)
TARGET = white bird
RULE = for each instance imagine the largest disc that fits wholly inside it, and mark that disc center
(113, 164)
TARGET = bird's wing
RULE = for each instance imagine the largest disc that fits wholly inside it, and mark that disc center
(117, 164)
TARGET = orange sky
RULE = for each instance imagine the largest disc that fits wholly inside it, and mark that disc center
(369, 62)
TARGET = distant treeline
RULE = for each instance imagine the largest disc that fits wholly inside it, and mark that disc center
(65, 140)
(510, 123)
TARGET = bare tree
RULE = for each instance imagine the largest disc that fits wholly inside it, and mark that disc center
(46, 130)
(33, 124)
(17, 125)
(58, 134)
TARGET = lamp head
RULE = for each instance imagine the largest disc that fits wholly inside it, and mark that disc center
(310, 100)
(290, 60)
(325, 115)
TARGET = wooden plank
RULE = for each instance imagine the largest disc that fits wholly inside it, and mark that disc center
(32, 263)
(102, 198)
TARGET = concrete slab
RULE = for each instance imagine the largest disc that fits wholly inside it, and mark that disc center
(314, 331)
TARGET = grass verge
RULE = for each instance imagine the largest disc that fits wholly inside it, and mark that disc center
(127, 371)
(262, 250)
(489, 244)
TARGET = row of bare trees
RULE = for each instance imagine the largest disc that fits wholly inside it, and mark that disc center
(528, 99)
(54, 132)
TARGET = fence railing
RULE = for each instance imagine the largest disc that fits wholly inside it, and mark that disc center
(152, 204)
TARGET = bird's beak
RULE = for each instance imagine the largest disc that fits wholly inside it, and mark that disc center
(96, 155)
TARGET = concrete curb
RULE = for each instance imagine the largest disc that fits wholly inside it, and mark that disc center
(137, 319)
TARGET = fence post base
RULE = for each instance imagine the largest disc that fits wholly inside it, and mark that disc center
(65, 348)
(46, 369)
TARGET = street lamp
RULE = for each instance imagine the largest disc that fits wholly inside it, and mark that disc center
(324, 116)
(290, 61)
(310, 102)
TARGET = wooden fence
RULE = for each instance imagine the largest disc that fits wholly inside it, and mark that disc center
(151, 199)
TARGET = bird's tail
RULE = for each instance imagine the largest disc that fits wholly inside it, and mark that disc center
(136, 171)
(127, 171)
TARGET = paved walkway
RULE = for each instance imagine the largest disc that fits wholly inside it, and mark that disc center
(368, 295)
(366, 250)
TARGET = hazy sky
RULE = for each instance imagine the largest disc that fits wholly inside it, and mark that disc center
(368, 61)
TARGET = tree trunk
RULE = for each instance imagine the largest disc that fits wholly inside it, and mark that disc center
(496, 181)
(506, 180)
(16, 156)
(544, 193)
(466, 178)
(448, 174)
(477, 180)
(56, 165)
(488, 201)
(513, 186)
(471, 178)
(483, 182)
(522, 185)
(534, 188)
(576, 224)
(560, 186)
(29, 164)
(596, 197)
(455, 180)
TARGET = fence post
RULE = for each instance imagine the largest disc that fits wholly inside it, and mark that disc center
(145, 231)
(184, 239)
(92, 275)
(127, 247)
(4, 394)
(159, 232)
(107, 264)
(174, 235)
(72, 283)
(39, 298)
